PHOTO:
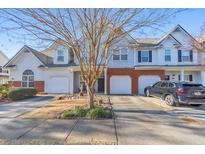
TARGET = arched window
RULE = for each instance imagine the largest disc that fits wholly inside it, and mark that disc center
(28, 79)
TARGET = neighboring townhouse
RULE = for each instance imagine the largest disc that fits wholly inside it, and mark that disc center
(171, 57)
(4, 74)
(135, 64)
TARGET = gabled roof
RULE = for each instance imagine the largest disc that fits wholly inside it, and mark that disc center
(154, 42)
(42, 57)
(45, 60)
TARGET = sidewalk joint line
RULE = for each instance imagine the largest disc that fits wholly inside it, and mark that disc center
(69, 132)
(114, 121)
(31, 129)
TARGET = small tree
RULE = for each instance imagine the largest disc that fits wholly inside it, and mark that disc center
(89, 32)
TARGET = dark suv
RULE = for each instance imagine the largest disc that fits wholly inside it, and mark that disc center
(175, 93)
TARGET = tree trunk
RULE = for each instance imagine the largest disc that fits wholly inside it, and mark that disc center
(90, 92)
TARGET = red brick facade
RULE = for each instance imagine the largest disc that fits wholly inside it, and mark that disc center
(38, 85)
(134, 74)
(15, 84)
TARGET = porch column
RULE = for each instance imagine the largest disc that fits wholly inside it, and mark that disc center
(135, 57)
(203, 78)
(182, 75)
(71, 82)
(105, 81)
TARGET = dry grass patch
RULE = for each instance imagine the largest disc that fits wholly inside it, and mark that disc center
(55, 109)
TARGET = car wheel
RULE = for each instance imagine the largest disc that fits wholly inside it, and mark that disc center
(169, 99)
(147, 93)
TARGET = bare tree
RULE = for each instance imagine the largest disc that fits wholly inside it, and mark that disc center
(89, 32)
(199, 42)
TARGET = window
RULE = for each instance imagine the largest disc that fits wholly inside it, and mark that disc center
(167, 78)
(145, 56)
(116, 55)
(188, 77)
(186, 56)
(28, 79)
(121, 54)
(60, 55)
(167, 55)
(124, 54)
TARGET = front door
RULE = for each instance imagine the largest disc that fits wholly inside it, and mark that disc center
(101, 85)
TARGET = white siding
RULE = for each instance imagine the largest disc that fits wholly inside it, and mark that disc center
(123, 63)
(154, 57)
(26, 61)
(158, 54)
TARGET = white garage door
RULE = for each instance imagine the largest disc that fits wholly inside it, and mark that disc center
(120, 85)
(146, 80)
(58, 85)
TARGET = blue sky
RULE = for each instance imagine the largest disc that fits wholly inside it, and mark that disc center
(191, 20)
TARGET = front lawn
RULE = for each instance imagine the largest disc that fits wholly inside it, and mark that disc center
(72, 107)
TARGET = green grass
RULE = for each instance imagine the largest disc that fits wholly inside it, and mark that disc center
(99, 112)
(77, 112)
(95, 113)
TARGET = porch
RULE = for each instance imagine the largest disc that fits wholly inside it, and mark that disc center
(100, 86)
(196, 74)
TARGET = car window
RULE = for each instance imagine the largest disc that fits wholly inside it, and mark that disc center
(193, 86)
(164, 85)
(157, 85)
(171, 85)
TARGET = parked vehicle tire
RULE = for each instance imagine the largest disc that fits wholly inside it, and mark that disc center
(169, 99)
(147, 93)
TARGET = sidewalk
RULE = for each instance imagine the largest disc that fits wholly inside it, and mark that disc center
(56, 131)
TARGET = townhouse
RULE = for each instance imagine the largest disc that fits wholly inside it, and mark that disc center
(135, 64)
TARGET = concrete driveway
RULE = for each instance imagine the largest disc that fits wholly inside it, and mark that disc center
(142, 121)
(17, 108)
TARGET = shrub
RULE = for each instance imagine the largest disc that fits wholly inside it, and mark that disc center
(22, 93)
(77, 112)
(4, 90)
(99, 112)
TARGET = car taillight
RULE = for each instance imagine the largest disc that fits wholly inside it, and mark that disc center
(180, 91)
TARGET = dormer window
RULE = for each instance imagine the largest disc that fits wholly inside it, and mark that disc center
(60, 55)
